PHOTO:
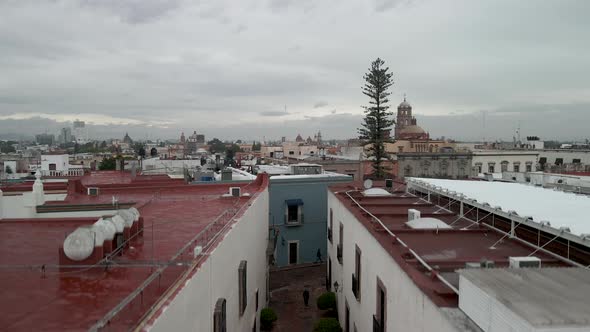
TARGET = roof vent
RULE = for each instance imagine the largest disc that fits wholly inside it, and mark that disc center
(523, 262)
(413, 214)
(93, 191)
(235, 191)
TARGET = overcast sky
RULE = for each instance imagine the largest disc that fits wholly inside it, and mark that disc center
(249, 69)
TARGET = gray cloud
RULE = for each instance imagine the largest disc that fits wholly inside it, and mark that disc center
(384, 5)
(320, 104)
(193, 62)
(135, 11)
(273, 113)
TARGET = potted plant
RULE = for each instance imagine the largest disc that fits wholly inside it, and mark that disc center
(267, 318)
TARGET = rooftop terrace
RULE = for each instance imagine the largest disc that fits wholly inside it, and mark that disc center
(431, 257)
(38, 293)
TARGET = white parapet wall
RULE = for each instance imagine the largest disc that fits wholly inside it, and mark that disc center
(193, 307)
(408, 308)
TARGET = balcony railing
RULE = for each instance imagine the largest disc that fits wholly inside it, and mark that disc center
(355, 287)
(377, 326)
(69, 172)
(339, 253)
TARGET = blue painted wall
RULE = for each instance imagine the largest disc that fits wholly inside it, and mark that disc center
(312, 233)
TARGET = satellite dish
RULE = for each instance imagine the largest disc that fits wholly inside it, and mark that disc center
(368, 184)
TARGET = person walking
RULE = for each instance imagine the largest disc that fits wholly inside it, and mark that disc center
(318, 256)
(306, 297)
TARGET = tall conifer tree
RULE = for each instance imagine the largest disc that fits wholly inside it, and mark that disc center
(377, 123)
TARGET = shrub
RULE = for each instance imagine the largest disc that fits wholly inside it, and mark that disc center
(327, 325)
(267, 317)
(327, 301)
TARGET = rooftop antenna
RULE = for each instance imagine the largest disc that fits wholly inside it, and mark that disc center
(483, 115)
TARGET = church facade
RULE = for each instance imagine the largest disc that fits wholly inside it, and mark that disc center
(411, 138)
(406, 126)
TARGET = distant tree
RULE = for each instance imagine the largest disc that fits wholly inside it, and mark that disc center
(256, 146)
(229, 155)
(376, 124)
(8, 169)
(216, 146)
(107, 164)
(161, 144)
(239, 141)
(7, 146)
(154, 152)
(141, 153)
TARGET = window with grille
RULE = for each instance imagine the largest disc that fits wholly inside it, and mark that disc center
(219, 316)
(242, 274)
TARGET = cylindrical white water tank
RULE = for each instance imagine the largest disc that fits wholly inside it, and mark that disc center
(135, 212)
(127, 216)
(109, 228)
(119, 223)
(79, 245)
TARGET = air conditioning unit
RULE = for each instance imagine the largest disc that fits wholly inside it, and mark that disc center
(523, 262)
(413, 214)
(92, 191)
(235, 191)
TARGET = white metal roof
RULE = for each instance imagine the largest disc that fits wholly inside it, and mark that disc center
(561, 209)
(547, 299)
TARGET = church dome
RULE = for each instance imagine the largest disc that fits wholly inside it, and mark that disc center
(404, 104)
(413, 129)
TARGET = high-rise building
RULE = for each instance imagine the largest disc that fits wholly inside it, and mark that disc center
(45, 139)
(65, 136)
(80, 132)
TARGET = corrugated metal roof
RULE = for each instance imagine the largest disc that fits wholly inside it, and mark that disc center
(562, 209)
(544, 297)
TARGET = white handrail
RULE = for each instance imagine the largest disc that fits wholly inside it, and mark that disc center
(418, 258)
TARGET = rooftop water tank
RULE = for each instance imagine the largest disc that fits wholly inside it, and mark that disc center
(79, 245)
(127, 216)
(119, 223)
(135, 212)
(108, 228)
(98, 234)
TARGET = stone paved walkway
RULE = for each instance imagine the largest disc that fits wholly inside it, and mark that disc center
(287, 287)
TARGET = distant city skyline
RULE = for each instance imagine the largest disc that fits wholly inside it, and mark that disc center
(275, 68)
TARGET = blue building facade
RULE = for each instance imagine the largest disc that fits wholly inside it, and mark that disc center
(298, 217)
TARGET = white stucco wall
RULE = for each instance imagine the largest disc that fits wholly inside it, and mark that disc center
(162, 165)
(192, 309)
(22, 206)
(62, 162)
(497, 157)
(408, 309)
(567, 155)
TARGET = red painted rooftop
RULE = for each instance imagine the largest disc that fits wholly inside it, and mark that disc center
(447, 250)
(74, 300)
